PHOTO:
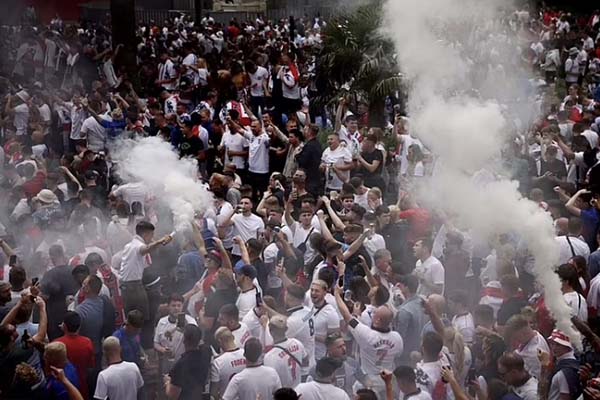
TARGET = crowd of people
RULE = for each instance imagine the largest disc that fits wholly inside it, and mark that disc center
(315, 273)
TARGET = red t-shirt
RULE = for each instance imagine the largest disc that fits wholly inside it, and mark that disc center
(80, 351)
(33, 186)
(419, 222)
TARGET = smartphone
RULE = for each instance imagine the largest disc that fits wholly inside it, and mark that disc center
(259, 300)
(12, 261)
(341, 281)
(181, 320)
(34, 281)
(348, 295)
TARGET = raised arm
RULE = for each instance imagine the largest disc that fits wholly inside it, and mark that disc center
(325, 232)
(335, 219)
(160, 242)
(289, 220)
(370, 278)
(40, 336)
(338, 115)
(342, 307)
(243, 249)
(356, 244)
(6, 248)
(570, 205)
(71, 177)
(72, 391)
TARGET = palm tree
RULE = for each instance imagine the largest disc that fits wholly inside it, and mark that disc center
(122, 14)
(356, 58)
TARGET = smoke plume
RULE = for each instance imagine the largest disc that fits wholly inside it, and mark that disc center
(173, 181)
(465, 80)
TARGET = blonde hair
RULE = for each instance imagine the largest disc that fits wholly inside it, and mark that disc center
(56, 354)
(201, 63)
(224, 335)
(376, 191)
(456, 344)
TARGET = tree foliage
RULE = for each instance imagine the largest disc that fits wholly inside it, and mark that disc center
(357, 58)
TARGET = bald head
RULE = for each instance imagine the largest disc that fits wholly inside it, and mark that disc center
(562, 226)
(382, 317)
(437, 302)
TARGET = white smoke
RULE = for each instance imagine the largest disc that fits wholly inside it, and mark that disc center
(450, 51)
(172, 181)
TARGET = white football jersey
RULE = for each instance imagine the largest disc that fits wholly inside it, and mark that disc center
(288, 364)
(378, 350)
(301, 326)
(225, 366)
(241, 335)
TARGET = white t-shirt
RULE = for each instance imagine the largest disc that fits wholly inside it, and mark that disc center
(432, 271)
(21, 119)
(222, 213)
(578, 305)
(529, 352)
(529, 390)
(167, 335)
(257, 80)
(288, 368)
(246, 228)
(119, 381)
(253, 383)
(132, 261)
(95, 134)
(320, 391)
(258, 152)
(337, 157)
(252, 321)
(235, 142)
(241, 335)
(465, 325)
(225, 366)
(133, 192)
(559, 384)
(167, 71)
(324, 319)
(378, 350)
(374, 243)
(580, 248)
(190, 59)
(46, 116)
(300, 235)
(301, 326)
(290, 87)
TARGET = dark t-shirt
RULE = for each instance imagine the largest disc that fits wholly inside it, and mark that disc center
(509, 308)
(372, 179)
(214, 302)
(190, 372)
(190, 146)
(57, 284)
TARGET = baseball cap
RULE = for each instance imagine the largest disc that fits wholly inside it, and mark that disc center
(559, 337)
(247, 270)
(214, 255)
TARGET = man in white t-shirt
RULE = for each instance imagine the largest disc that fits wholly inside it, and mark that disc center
(167, 75)
(428, 269)
(259, 78)
(336, 163)
(20, 112)
(458, 303)
(121, 379)
(235, 146)
(229, 317)
(94, 132)
(256, 381)
(168, 335)
(378, 345)
(133, 192)
(301, 230)
(300, 324)
(287, 355)
(325, 317)
(571, 244)
(230, 362)
(531, 342)
(322, 387)
(258, 157)
(512, 368)
(247, 299)
(246, 224)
